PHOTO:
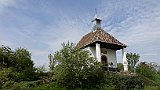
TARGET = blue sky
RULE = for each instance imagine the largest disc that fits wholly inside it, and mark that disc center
(42, 25)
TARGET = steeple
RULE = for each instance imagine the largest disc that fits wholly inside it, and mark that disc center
(96, 22)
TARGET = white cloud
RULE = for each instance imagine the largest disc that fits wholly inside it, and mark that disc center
(140, 30)
(66, 29)
(42, 28)
(5, 4)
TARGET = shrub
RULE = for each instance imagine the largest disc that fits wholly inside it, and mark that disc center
(24, 85)
(50, 86)
(132, 59)
(146, 70)
(8, 85)
(124, 82)
(152, 88)
(19, 62)
(157, 79)
(4, 76)
(120, 66)
(147, 81)
(74, 68)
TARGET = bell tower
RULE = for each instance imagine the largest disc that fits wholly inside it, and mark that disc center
(96, 22)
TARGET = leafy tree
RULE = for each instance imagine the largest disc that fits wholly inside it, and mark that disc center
(41, 73)
(19, 62)
(158, 70)
(74, 67)
(132, 59)
(4, 76)
(23, 68)
(146, 70)
(5, 57)
(52, 62)
(154, 65)
(41, 69)
(23, 59)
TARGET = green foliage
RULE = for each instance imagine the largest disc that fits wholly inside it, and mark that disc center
(19, 62)
(132, 59)
(5, 57)
(51, 86)
(41, 69)
(23, 69)
(152, 88)
(146, 70)
(107, 87)
(8, 85)
(11, 85)
(124, 82)
(41, 72)
(157, 79)
(52, 62)
(147, 81)
(120, 66)
(75, 68)
(4, 76)
(72, 69)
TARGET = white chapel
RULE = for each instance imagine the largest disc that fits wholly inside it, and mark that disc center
(103, 46)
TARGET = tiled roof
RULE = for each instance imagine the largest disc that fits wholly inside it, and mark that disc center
(98, 36)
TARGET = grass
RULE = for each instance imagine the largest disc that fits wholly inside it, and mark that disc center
(51, 86)
(157, 79)
(34, 85)
(152, 88)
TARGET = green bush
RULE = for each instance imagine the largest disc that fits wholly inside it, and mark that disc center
(8, 85)
(11, 85)
(147, 81)
(157, 79)
(24, 85)
(4, 76)
(120, 66)
(146, 70)
(124, 82)
(74, 68)
(106, 86)
(50, 86)
(152, 88)
(19, 62)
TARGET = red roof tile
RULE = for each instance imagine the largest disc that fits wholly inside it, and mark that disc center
(98, 36)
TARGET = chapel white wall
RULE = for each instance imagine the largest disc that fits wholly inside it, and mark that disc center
(92, 51)
(111, 55)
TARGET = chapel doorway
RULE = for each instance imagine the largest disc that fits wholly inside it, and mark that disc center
(104, 60)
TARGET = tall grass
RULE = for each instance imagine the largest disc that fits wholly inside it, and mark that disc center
(51, 86)
(157, 79)
(152, 88)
